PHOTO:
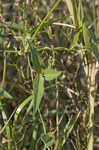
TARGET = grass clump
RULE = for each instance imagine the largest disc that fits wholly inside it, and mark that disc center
(48, 75)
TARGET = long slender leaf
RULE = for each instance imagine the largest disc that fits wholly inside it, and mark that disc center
(8, 131)
(85, 30)
(20, 108)
(76, 37)
(38, 91)
(5, 94)
(13, 25)
(72, 6)
(85, 35)
(36, 60)
(45, 18)
(70, 127)
(95, 49)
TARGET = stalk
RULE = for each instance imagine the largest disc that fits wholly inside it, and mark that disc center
(2, 108)
(57, 118)
(74, 5)
(45, 18)
(92, 90)
(4, 72)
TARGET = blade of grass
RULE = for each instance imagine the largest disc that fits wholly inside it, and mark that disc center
(69, 127)
(4, 116)
(85, 31)
(43, 21)
(4, 72)
(38, 91)
(72, 6)
(19, 109)
(8, 131)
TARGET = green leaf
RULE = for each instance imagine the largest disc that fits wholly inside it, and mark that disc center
(95, 49)
(85, 30)
(97, 37)
(36, 60)
(48, 141)
(76, 37)
(21, 106)
(85, 35)
(51, 74)
(69, 126)
(97, 140)
(94, 36)
(44, 19)
(1, 36)
(5, 94)
(70, 8)
(13, 25)
(19, 109)
(38, 91)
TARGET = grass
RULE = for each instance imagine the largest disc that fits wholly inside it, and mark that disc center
(48, 72)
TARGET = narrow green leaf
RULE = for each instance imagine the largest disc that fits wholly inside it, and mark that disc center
(80, 14)
(85, 30)
(22, 105)
(1, 35)
(19, 109)
(94, 43)
(97, 140)
(30, 106)
(70, 127)
(48, 141)
(5, 94)
(70, 8)
(92, 35)
(76, 37)
(97, 37)
(51, 74)
(36, 60)
(7, 127)
(38, 91)
(45, 18)
(95, 49)
(98, 24)
(13, 25)
(85, 35)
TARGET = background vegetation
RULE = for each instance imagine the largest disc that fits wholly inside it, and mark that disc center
(49, 93)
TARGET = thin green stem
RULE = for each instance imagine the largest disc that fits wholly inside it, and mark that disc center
(43, 21)
(4, 72)
(5, 118)
(57, 118)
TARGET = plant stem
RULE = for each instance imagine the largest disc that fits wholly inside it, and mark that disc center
(2, 108)
(4, 72)
(45, 18)
(74, 5)
(57, 118)
(92, 89)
